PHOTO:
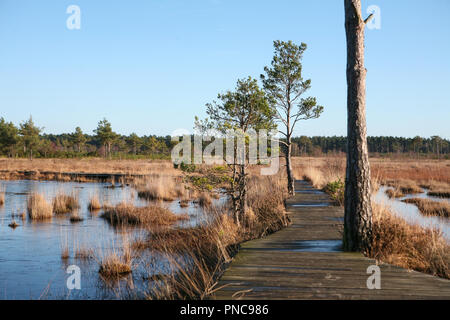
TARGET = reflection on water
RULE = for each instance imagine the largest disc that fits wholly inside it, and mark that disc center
(30, 255)
(411, 213)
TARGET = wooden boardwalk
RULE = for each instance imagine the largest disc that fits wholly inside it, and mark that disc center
(305, 261)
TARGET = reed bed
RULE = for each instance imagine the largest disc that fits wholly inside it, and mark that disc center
(208, 247)
(89, 165)
(75, 217)
(64, 203)
(117, 264)
(429, 207)
(408, 246)
(38, 207)
(394, 193)
(152, 215)
(161, 187)
(204, 200)
(94, 203)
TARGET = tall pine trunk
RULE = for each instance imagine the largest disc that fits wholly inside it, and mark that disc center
(358, 210)
(290, 175)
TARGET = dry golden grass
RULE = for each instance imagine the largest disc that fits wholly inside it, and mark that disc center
(75, 216)
(64, 203)
(89, 165)
(394, 193)
(210, 245)
(319, 171)
(430, 174)
(126, 213)
(38, 207)
(404, 186)
(429, 207)
(408, 246)
(204, 200)
(161, 187)
(94, 203)
(417, 170)
(116, 264)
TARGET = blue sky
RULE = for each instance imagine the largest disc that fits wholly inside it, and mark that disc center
(150, 66)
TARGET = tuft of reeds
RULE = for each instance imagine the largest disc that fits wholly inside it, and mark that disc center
(64, 203)
(65, 253)
(75, 217)
(115, 265)
(126, 213)
(94, 203)
(38, 208)
(13, 224)
(2, 197)
(204, 200)
(394, 193)
(408, 246)
(162, 188)
(429, 207)
(405, 186)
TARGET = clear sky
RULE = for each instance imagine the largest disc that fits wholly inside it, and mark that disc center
(150, 66)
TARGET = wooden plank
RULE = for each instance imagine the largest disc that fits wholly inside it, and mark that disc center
(305, 261)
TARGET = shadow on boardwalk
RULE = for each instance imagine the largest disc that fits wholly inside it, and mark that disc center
(306, 261)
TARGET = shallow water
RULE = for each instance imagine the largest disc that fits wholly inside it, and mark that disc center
(30, 255)
(411, 213)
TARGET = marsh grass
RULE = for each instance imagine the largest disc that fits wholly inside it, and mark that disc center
(2, 195)
(429, 207)
(75, 217)
(94, 203)
(408, 246)
(394, 193)
(405, 186)
(208, 248)
(64, 203)
(127, 214)
(204, 200)
(115, 264)
(161, 187)
(38, 207)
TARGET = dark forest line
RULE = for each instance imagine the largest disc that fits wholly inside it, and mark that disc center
(27, 140)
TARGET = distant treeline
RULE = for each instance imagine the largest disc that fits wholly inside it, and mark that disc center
(27, 140)
(433, 146)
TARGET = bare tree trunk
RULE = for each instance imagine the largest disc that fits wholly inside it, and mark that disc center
(290, 175)
(358, 210)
